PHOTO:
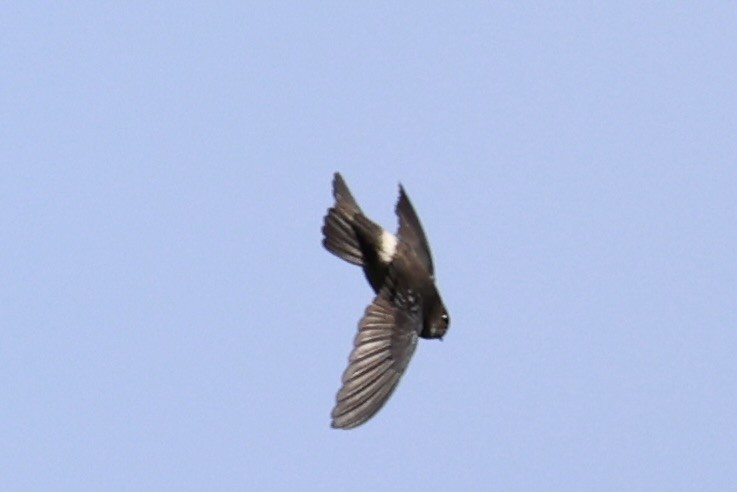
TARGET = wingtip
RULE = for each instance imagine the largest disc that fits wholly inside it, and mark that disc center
(403, 201)
(337, 180)
(342, 424)
(402, 196)
(402, 191)
(347, 425)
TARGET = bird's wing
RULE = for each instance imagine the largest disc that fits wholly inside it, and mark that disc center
(386, 340)
(410, 231)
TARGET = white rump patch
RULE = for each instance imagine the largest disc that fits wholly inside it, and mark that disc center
(388, 246)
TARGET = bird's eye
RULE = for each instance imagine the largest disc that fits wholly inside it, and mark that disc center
(444, 317)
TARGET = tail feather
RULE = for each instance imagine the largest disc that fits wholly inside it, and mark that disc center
(340, 237)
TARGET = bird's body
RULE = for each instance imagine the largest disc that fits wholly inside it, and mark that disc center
(407, 304)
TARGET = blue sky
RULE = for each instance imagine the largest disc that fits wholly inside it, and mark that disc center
(170, 321)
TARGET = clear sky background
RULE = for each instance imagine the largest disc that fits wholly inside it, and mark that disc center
(170, 321)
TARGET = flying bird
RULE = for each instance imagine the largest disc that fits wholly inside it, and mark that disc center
(407, 304)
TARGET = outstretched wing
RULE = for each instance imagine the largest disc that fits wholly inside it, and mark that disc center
(410, 230)
(386, 340)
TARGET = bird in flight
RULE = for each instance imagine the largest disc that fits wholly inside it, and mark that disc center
(407, 304)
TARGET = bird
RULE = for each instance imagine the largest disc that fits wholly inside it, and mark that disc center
(406, 306)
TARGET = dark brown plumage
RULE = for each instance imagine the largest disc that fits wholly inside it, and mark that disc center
(407, 303)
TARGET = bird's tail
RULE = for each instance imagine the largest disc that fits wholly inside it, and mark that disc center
(340, 237)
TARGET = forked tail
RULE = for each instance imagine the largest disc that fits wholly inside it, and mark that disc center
(340, 237)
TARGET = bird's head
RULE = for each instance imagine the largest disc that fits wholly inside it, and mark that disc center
(436, 321)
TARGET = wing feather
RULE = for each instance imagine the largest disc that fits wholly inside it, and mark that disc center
(411, 232)
(386, 339)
